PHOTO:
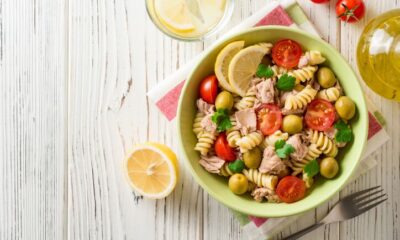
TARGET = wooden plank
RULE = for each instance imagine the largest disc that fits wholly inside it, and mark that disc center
(32, 119)
(382, 222)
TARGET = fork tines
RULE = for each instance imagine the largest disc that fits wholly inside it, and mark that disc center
(367, 199)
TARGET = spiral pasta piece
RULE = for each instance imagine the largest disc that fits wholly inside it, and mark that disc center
(205, 142)
(312, 153)
(267, 46)
(278, 71)
(225, 171)
(249, 141)
(309, 181)
(277, 135)
(197, 128)
(248, 100)
(301, 99)
(303, 74)
(323, 143)
(233, 134)
(315, 57)
(330, 94)
(261, 179)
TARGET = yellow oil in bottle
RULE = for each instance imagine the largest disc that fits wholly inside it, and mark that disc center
(378, 55)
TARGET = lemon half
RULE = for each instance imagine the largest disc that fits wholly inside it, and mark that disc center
(152, 170)
(222, 62)
(243, 67)
(175, 14)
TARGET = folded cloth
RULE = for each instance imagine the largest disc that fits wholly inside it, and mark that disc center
(286, 13)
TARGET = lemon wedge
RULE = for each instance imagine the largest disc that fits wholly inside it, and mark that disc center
(244, 65)
(174, 14)
(152, 170)
(222, 63)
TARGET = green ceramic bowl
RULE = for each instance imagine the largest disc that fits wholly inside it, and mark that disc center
(322, 190)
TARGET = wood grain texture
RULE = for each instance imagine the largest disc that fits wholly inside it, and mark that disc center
(32, 119)
(74, 77)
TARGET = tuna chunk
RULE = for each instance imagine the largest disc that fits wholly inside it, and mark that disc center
(208, 125)
(272, 164)
(260, 193)
(246, 121)
(211, 164)
(300, 148)
(265, 91)
(204, 107)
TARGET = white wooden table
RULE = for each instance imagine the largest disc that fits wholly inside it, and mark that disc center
(73, 83)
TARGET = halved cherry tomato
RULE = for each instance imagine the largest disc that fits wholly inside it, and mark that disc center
(223, 150)
(291, 189)
(320, 115)
(269, 118)
(209, 89)
(286, 53)
(350, 10)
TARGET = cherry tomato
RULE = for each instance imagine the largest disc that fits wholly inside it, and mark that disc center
(286, 53)
(350, 10)
(291, 189)
(222, 148)
(209, 89)
(320, 1)
(269, 118)
(320, 115)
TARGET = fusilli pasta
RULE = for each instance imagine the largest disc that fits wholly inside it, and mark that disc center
(225, 171)
(330, 94)
(248, 100)
(323, 143)
(301, 99)
(278, 71)
(249, 141)
(267, 46)
(206, 141)
(197, 123)
(261, 179)
(312, 153)
(233, 134)
(277, 135)
(303, 74)
(315, 57)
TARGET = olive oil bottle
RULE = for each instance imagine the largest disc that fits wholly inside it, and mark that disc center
(378, 55)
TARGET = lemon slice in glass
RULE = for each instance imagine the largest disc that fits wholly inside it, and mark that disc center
(152, 170)
(174, 14)
(222, 63)
(244, 65)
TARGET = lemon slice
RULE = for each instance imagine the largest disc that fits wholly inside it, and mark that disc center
(244, 65)
(152, 170)
(175, 14)
(222, 63)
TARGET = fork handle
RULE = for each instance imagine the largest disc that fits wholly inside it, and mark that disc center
(304, 231)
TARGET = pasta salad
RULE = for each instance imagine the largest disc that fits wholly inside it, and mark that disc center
(271, 119)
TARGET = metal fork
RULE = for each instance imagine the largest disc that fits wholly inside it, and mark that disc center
(349, 207)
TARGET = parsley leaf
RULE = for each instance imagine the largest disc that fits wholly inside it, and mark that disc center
(344, 133)
(221, 118)
(312, 168)
(264, 71)
(284, 150)
(279, 144)
(286, 82)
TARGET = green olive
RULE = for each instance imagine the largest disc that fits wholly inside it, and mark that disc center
(252, 158)
(238, 183)
(345, 107)
(326, 78)
(224, 100)
(329, 167)
(292, 124)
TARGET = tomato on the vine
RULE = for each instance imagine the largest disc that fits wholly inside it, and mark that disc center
(209, 89)
(286, 53)
(222, 148)
(350, 10)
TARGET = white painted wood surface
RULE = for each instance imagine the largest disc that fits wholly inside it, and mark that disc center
(73, 81)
